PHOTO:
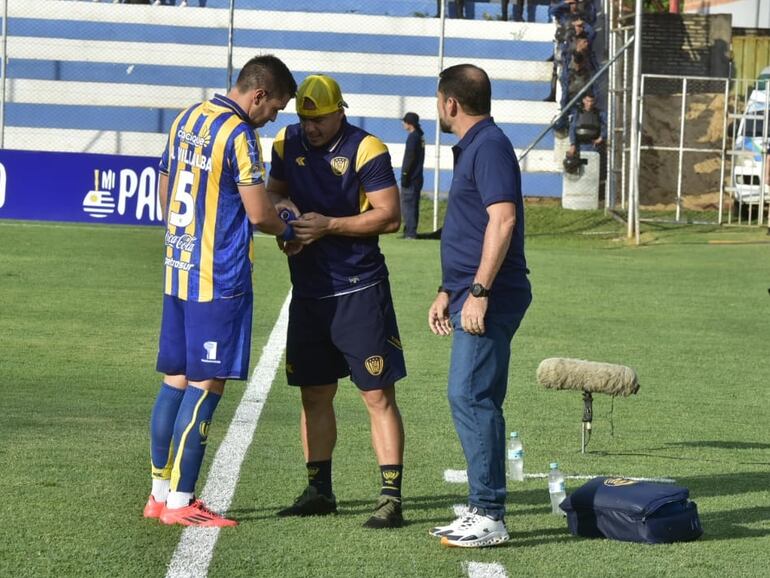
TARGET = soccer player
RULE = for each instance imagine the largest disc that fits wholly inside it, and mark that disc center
(340, 182)
(212, 192)
(483, 296)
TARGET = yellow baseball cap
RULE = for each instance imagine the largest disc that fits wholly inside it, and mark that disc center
(319, 95)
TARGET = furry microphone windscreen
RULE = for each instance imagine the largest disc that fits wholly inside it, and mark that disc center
(592, 376)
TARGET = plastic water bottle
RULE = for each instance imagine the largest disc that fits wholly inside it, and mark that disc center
(556, 488)
(515, 460)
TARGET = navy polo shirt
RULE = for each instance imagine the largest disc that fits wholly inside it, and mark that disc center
(485, 172)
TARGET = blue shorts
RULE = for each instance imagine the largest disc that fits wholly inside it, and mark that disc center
(354, 334)
(206, 340)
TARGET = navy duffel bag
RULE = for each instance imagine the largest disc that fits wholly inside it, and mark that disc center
(631, 511)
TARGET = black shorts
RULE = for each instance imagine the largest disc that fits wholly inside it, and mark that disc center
(354, 334)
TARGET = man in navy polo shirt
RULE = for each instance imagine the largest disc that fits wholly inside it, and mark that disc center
(338, 179)
(483, 295)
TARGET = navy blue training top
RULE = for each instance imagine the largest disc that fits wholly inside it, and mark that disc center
(333, 181)
(485, 172)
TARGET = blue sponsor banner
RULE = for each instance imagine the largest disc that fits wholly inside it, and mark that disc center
(79, 187)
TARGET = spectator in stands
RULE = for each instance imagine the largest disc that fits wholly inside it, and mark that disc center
(460, 9)
(575, 76)
(411, 174)
(588, 127)
(518, 10)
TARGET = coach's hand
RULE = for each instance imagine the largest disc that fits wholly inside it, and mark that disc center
(438, 315)
(472, 315)
(311, 227)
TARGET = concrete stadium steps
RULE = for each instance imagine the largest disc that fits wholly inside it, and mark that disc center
(108, 117)
(116, 75)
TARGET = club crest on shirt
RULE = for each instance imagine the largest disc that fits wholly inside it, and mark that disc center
(612, 482)
(374, 364)
(340, 165)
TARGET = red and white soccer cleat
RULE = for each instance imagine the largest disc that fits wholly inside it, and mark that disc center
(196, 514)
(153, 509)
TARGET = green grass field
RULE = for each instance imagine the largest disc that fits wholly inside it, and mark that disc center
(79, 314)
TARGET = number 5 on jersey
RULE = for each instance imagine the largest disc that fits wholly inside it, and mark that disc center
(184, 216)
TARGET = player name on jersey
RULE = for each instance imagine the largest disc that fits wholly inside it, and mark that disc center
(193, 159)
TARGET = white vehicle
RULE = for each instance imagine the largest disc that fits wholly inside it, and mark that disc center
(752, 144)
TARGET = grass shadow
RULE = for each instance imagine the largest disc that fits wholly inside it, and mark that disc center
(735, 524)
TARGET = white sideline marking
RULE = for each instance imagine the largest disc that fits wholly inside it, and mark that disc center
(461, 476)
(196, 546)
(485, 570)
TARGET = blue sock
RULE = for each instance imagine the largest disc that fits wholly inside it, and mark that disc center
(162, 430)
(191, 432)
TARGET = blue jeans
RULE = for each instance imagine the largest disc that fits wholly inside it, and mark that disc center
(478, 381)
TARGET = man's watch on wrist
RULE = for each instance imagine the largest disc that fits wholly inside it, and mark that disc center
(478, 290)
(442, 289)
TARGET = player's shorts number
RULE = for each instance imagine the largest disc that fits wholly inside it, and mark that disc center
(2, 185)
(182, 194)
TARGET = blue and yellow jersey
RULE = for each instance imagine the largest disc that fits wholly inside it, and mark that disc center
(211, 150)
(333, 181)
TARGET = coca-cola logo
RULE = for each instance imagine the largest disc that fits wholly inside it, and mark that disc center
(181, 242)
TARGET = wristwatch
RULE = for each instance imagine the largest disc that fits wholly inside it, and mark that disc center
(478, 290)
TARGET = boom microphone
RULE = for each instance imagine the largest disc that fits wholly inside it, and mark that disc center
(590, 376)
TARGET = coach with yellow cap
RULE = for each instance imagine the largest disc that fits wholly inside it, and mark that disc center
(339, 181)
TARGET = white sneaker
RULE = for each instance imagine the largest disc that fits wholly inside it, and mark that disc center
(476, 531)
(439, 531)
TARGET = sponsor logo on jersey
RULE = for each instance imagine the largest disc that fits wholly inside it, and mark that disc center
(300, 161)
(613, 482)
(374, 364)
(211, 352)
(196, 140)
(182, 242)
(340, 165)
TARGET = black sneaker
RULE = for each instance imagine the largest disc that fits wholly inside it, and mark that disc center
(311, 503)
(387, 514)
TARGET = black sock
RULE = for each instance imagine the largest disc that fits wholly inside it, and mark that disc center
(391, 480)
(319, 475)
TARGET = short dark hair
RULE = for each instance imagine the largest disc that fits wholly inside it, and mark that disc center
(269, 73)
(469, 85)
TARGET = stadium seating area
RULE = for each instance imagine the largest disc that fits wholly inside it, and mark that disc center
(111, 77)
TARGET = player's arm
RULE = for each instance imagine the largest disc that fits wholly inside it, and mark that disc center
(383, 216)
(163, 194)
(278, 192)
(260, 211)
